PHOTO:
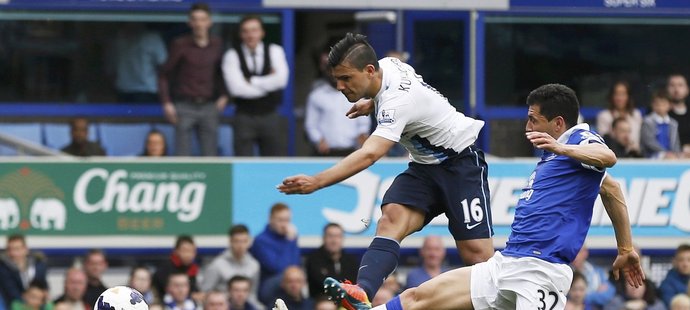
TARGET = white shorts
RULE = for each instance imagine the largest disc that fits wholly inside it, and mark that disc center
(505, 282)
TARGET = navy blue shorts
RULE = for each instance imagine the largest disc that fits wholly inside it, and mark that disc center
(457, 187)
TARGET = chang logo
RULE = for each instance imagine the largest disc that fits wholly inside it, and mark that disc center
(30, 199)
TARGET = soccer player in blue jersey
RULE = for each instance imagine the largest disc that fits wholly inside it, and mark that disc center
(551, 222)
(447, 173)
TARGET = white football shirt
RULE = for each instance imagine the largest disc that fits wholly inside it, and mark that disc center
(415, 114)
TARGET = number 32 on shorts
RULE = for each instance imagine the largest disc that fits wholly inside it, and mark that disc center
(545, 298)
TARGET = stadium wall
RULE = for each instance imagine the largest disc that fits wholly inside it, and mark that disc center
(134, 205)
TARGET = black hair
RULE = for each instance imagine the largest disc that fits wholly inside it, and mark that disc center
(556, 100)
(660, 93)
(183, 239)
(249, 17)
(238, 229)
(329, 225)
(239, 278)
(355, 50)
(617, 121)
(199, 6)
(40, 284)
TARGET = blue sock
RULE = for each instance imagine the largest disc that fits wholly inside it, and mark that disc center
(394, 304)
(378, 262)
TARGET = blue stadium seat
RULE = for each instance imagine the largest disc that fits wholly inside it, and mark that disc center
(123, 139)
(225, 147)
(27, 131)
(57, 135)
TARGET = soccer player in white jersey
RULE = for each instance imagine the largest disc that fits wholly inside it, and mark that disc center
(447, 173)
(551, 222)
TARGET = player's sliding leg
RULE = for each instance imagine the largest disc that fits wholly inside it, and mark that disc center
(449, 290)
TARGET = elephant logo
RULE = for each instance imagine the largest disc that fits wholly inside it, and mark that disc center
(9, 214)
(47, 210)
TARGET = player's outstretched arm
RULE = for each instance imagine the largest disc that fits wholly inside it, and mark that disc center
(373, 149)
(593, 154)
(627, 260)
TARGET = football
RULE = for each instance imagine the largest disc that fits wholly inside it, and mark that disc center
(121, 298)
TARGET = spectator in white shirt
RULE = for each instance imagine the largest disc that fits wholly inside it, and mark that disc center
(256, 74)
(329, 130)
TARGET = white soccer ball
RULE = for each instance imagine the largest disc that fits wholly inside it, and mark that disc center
(121, 298)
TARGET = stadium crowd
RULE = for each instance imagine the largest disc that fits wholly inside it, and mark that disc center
(253, 271)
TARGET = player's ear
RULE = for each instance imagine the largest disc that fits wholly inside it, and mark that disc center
(560, 123)
(370, 69)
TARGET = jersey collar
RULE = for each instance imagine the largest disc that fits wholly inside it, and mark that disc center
(566, 135)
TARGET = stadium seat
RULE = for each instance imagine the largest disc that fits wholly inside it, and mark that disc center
(123, 139)
(57, 135)
(28, 131)
(225, 147)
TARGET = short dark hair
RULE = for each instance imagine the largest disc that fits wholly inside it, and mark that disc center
(183, 239)
(199, 6)
(93, 252)
(238, 229)
(39, 284)
(239, 278)
(556, 100)
(176, 273)
(617, 121)
(249, 17)
(355, 50)
(329, 225)
(16, 237)
(683, 248)
(660, 93)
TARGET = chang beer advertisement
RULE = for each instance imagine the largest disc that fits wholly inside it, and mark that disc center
(114, 198)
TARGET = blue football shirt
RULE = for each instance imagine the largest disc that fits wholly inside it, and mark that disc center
(555, 209)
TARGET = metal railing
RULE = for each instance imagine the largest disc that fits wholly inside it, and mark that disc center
(24, 147)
